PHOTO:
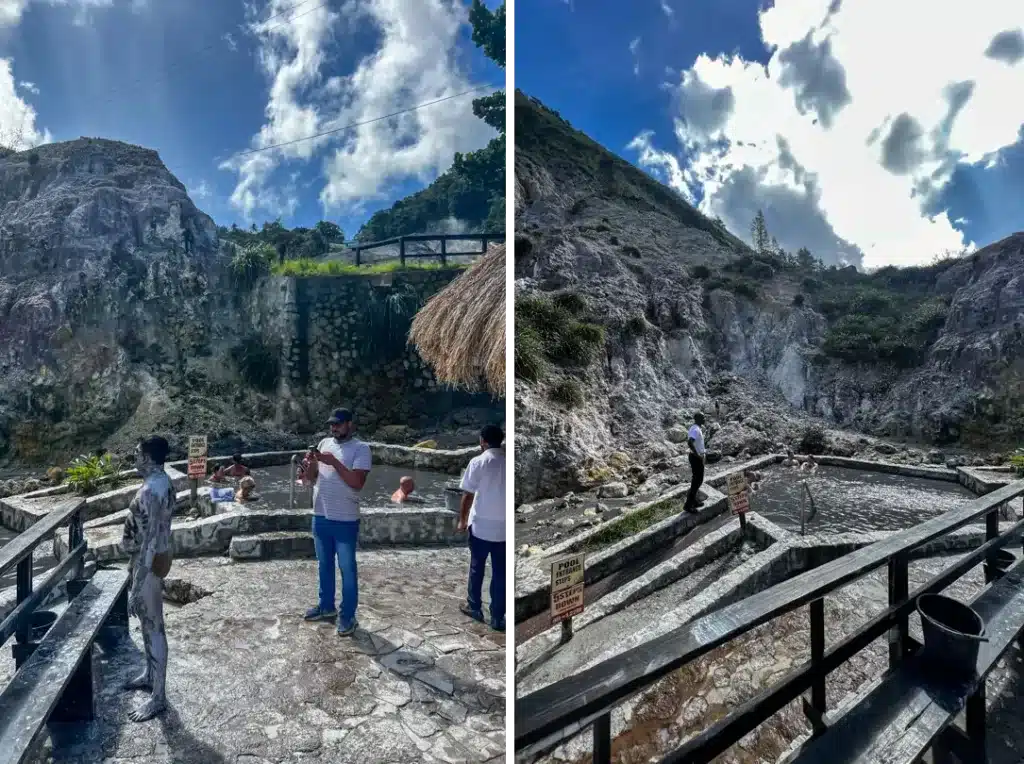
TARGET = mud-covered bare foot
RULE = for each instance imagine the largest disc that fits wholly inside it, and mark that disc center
(141, 682)
(147, 710)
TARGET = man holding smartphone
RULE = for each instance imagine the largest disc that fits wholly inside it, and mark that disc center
(337, 467)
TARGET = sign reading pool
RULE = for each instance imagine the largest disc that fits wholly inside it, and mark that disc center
(739, 497)
(566, 588)
(197, 457)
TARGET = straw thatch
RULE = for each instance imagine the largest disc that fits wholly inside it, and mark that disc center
(460, 332)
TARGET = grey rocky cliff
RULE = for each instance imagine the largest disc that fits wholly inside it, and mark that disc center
(591, 224)
(108, 329)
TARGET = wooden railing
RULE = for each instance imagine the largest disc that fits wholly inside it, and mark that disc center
(561, 710)
(443, 254)
(18, 554)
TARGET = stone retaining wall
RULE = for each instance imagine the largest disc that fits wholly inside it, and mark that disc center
(533, 574)
(343, 338)
(451, 462)
(19, 513)
(213, 534)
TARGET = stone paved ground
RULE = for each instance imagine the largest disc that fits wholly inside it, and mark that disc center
(693, 698)
(251, 682)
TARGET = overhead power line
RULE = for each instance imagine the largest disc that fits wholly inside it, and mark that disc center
(366, 122)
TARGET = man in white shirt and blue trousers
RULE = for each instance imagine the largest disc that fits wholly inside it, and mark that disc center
(337, 467)
(483, 513)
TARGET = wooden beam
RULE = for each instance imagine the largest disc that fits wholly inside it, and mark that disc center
(25, 542)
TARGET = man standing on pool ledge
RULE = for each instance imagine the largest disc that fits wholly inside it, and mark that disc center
(337, 468)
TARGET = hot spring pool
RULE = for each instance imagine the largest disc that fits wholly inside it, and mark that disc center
(272, 485)
(852, 500)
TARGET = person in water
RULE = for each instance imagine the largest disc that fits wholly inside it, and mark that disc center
(236, 469)
(790, 460)
(247, 489)
(403, 495)
(810, 465)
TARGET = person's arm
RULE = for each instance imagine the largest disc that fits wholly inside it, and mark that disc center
(464, 506)
(147, 546)
(470, 485)
(354, 478)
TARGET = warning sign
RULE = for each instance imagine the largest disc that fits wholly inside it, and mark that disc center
(737, 483)
(739, 496)
(566, 588)
(197, 457)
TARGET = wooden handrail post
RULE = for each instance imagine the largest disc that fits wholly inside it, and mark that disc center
(444, 251)
(991, 531)
(24, 591)
(603, 740)
(899, 590)
(401, 250)
(817, 612)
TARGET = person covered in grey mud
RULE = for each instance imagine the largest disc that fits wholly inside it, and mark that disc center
(790, 460)
(147, 535)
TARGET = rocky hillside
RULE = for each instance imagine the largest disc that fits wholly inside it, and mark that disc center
(109, 329)
(633, 310)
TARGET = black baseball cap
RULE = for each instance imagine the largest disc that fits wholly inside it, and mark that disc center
(340, 416)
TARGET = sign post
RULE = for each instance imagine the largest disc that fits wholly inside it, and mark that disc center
(739, 498)
(196, 464)
(566, 592)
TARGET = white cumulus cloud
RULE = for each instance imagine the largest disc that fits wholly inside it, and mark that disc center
(18, 128)
(854, 127)
(415, 60)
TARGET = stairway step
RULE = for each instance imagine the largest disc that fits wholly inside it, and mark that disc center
(276, 545)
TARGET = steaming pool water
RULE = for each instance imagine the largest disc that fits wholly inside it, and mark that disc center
(852, 500)
(273, 486)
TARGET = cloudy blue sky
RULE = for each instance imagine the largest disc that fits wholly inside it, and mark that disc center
(203, 81)
(873, 132)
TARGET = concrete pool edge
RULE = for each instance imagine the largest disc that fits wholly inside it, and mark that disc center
(532, 579)
(532, 651)
(449, 462)
(212, 535)
(19, 513)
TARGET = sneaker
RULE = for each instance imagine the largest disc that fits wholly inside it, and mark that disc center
(317, 614)
(476, 615)
(348, 631)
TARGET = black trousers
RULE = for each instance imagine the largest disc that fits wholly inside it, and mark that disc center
(697, 468)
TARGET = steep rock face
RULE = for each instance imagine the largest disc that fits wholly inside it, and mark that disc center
(676, 341)
(107, 327)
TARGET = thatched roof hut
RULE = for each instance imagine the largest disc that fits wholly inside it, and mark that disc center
(460, 332)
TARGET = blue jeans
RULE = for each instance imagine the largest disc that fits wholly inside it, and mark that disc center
(336, 538)
(479, 551)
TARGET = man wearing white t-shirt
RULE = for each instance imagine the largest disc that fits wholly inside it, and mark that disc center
(695, 442)
(337, 467)
(483, 514)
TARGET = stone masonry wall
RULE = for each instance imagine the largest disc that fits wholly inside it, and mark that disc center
(343, 342)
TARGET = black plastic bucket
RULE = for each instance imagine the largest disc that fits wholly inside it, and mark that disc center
(953, 632)
(40, 623)
(452, 498)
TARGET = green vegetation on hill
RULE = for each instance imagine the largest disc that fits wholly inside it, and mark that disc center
(306, 268)
(552, 332)
(890, 316)
(473, 190)
(286, 243)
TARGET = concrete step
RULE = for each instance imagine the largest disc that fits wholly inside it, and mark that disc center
(275, 545)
